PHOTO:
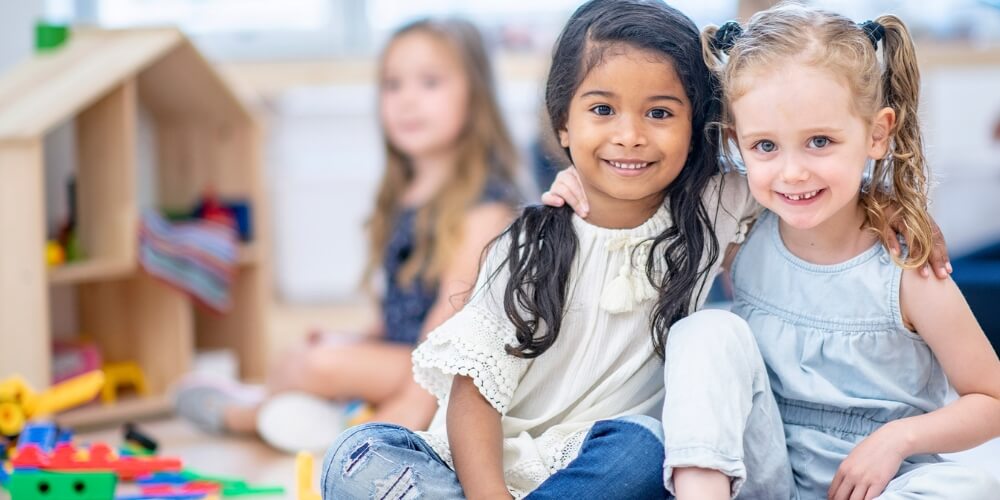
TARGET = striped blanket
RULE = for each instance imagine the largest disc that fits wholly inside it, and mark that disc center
(198, 258)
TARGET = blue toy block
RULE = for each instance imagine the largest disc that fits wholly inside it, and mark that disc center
(171, 478)
(163, 496)
(42, 434)
(65, 436)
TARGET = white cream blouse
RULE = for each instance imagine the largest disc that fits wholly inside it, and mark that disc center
(602, 366)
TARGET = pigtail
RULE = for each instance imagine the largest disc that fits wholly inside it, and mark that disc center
(542, 247)
(709, 49)
(902, 176)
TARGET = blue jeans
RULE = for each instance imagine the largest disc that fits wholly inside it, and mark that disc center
(621, 458)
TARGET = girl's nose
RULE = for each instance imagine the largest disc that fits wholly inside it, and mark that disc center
(794, 171)
(628, 133)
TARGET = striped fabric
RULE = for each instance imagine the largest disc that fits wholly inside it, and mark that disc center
(198, 258)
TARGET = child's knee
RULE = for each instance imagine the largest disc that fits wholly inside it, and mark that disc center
(350, 454)
(652, 429)
(711, 330)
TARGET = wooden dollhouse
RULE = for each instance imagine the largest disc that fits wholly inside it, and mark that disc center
(205, 139)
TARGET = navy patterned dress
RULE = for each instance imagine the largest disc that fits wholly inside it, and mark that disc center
(404, 308)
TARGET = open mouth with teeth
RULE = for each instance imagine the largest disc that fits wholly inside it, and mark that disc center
(801, 196)
(629, 165)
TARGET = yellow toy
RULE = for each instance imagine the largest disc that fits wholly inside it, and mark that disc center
(304, 476)
(54, 253)
(19, 402)
(118, 374)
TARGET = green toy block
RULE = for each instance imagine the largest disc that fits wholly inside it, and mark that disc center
(246, 490)
(39, 485)
(50, 36)
(232, 487)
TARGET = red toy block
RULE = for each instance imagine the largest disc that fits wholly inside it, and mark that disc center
(101, 457)
(31, 456)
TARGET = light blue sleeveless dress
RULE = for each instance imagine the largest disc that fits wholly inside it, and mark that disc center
(841, 363)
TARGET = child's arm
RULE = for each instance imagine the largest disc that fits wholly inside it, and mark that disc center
(936, 310)
(482, 224)
(476, 441)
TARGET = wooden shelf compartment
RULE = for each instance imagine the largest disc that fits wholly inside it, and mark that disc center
(90, 270)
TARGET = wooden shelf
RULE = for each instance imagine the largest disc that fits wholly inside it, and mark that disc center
(204, 138)
(126, 409)
(90, 270)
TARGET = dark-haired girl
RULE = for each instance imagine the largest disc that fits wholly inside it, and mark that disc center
(547, 376)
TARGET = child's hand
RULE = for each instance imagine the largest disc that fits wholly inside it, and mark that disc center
(567, 188)
(867, 470)
(938, 262)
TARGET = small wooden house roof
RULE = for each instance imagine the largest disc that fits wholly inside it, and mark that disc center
(174, 81)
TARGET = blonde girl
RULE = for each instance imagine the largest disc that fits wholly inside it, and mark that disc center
(860, 348)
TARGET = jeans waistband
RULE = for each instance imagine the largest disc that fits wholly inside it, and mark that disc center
(856, 421)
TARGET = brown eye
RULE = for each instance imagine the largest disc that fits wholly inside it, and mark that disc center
(602, 110)
(659, 114)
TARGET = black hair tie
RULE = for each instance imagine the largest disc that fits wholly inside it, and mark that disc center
(874, 30)
(726, 36)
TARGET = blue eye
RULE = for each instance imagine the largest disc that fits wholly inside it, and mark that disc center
(659, 114)
(819, 142)
(766, 146)
(602, 110)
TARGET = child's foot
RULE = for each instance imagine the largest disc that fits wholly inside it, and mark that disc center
(217, 406)
(297, 421)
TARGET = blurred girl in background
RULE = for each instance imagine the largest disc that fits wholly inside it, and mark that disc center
(448, 189)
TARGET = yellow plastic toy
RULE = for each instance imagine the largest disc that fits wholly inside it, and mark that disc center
(54, 253)
(119, 374)
(19, 402)
(304, 476)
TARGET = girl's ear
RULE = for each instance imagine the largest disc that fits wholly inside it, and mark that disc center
(882, 126)
(564, 138)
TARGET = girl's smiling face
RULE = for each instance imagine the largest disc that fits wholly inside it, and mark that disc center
(803, 146)
(629, 133)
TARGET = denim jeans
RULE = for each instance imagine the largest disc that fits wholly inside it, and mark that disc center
(621, 458)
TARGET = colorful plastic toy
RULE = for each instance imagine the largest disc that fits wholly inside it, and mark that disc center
(100, 457)
(34, 485)
(229, 487)
(136, 437)
(19, 402)
(43, 435)
(125, 373)
(304, 477)
(54, 253)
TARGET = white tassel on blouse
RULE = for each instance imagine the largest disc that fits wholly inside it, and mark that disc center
(631, 287)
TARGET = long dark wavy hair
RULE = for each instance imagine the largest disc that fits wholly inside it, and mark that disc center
(543, 243)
